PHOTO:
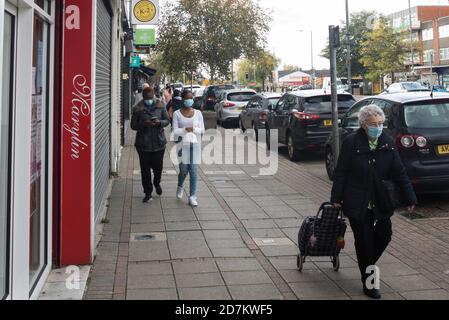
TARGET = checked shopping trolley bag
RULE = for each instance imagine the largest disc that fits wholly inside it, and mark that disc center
(322, 235)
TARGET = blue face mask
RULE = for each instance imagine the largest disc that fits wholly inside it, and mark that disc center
(149, 102)
(375, 132)
(188, 103)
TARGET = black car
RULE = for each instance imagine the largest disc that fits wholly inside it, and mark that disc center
(211, 94)
(304, 119)
(255, 114)
(419, 123)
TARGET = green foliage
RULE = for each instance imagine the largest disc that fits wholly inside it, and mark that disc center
(262, 65)
(383, 52)
(359, 32)
(211, 34)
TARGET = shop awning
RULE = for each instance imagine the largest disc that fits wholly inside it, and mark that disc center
(148, 71)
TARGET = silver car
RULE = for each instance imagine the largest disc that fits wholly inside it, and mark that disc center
(231, 103)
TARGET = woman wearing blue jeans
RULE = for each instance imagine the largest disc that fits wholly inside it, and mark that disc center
(188, 124)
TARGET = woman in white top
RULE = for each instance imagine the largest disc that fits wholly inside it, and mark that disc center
(188, 124)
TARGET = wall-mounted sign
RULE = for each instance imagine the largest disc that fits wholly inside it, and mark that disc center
(144, 37)
(135, 62)
(145, 12)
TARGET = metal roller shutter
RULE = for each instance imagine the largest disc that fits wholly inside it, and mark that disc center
(102, 105)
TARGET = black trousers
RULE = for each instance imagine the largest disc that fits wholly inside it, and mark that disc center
(370, 241)
(151, 161)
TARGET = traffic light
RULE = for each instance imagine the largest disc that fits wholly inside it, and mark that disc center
(247, 76)
(334, 36)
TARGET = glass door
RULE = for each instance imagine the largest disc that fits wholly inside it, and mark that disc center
(6, 107)
(39, 139)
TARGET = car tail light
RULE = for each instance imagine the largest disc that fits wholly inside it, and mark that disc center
(228, 105)
(263, 116)
(409, 141)
(302, 116)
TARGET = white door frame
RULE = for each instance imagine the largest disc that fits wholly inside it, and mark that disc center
(7, 7)
(20, 209)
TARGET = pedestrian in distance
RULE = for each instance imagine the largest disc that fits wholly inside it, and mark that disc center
(175, 104)
(149, 118)
(368, 158)
(168, 94)
(188, 127)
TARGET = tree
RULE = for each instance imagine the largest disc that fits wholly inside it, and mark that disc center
(262, 66)
(383, 52)
(211, 34)
(177, 44)
(359, 27)
(289, 67)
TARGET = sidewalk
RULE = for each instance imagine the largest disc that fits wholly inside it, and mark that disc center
(240, 243)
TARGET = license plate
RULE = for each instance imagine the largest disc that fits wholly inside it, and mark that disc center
(443, 149)
(328, 123)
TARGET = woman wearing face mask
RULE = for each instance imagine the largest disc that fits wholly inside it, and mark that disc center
(149, 119)
(188, 124)
(368, 157)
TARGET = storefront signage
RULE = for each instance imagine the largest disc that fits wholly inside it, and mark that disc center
(145, 12)
(135, 62)
(76, 133)
(144, 37)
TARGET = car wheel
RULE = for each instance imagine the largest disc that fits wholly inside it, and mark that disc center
(293, 153)
(330, 163)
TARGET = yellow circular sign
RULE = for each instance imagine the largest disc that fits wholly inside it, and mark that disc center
(145, 11)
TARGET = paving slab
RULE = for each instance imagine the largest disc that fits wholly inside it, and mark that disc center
(255, 292)
(204, 293)
(152, 294)
(199, 280)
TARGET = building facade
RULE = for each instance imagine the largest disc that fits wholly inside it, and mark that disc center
(62, 119)
(430, 30)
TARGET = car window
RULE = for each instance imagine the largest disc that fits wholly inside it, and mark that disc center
(290, 103)
(240, 96)
(427, 116)
(323, 104)
(273, 102)
(352, 117)
(280, 104)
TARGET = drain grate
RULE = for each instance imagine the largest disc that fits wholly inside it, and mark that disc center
(145, 237)
(266, 242)
(412, 216)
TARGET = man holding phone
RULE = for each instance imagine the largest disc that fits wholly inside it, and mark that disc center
(149, 118)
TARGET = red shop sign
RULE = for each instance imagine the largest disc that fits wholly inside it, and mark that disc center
(76, 132)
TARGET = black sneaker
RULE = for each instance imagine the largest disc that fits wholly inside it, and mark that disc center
(147, 198)
(372, 293)
(158, 190)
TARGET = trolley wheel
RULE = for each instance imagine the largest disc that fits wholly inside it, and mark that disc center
(300, 262)
(336, 263)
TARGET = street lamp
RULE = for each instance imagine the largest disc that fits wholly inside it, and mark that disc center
(411, 37)
(348, 48)
(311, 55)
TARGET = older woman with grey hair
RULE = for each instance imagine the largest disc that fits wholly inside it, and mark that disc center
(367, 158)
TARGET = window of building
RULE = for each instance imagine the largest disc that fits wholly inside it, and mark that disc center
(444, 54)
(444, 31)
(427, 34)
(428, 55)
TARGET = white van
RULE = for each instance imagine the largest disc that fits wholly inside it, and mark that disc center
(340, 86)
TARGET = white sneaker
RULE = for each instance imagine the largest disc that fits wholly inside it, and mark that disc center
(179, 193)
(193, 202)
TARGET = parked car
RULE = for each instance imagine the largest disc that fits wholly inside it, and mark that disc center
(399, 87)
(419, 124)
(327, 85)
(255, 114)
(210, 96)
(231, 104)
(304, 119)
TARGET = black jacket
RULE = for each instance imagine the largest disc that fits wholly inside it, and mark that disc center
(149, 138)
(354, 183)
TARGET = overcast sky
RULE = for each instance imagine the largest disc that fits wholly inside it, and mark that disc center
(293, 47)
